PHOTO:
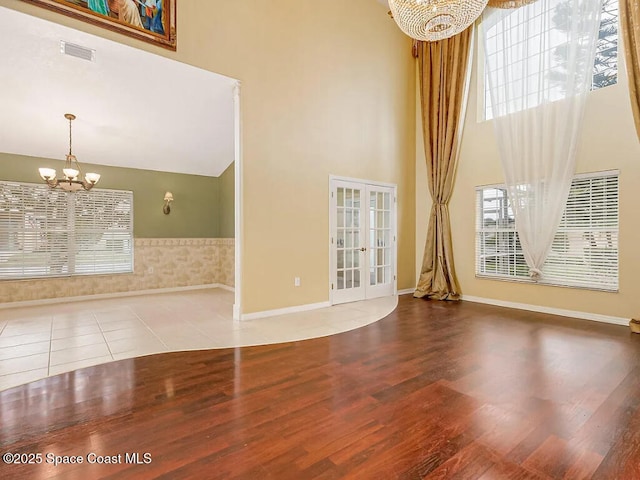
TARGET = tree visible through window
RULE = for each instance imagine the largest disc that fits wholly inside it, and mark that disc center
(605, 68)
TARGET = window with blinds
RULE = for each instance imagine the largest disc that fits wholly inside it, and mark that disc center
(584, 253)
(51, 233)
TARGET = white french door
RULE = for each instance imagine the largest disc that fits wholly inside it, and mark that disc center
(362, 240)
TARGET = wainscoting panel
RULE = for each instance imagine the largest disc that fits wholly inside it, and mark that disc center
(158, 263)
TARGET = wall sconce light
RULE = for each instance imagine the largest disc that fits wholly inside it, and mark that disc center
(168, 198)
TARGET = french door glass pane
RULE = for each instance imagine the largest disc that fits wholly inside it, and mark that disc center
(379, 238)
(363, 221)
(348, 239)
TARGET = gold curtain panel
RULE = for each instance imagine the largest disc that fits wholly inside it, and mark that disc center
(443, 71)
(509, 3)
(630, 21)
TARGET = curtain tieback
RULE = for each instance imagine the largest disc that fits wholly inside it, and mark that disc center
(535, 273)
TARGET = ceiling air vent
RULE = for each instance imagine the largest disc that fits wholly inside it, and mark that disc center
(77, 51)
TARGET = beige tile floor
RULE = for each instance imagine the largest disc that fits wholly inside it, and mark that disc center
(36, 342)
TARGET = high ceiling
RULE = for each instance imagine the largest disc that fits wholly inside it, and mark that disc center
(134, 109)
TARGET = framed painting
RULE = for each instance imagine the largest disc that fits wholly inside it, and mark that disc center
(153, 21)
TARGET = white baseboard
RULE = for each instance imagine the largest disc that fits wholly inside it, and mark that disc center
(225, 287)
(406, 290)
(284, 311)
(596, 317)
(100, 296)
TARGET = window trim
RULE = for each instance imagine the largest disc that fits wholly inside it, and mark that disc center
(526, 280)
(72, 247)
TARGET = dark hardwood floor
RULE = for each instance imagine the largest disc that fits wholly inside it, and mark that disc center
(435, 390)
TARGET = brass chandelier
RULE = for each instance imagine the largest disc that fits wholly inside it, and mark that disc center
(71, 171)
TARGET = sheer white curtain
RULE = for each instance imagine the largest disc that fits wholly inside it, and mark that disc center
(539, 61)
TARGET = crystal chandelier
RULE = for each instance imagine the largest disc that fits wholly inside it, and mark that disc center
(432, 20)
(71, 171)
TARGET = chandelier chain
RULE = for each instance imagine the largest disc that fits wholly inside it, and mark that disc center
(70, 119)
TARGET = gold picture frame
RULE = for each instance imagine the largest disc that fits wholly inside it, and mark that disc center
(152, 21)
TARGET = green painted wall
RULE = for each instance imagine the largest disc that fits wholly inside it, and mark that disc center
(227, 202)
(195, 212)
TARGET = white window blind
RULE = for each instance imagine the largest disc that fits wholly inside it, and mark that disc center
(49, 233)
(585, 248)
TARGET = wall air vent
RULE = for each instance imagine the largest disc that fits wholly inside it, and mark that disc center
(77, 51)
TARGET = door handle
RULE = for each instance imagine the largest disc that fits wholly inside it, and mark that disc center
(363, 249)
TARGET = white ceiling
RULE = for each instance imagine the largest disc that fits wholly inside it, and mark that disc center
(134, 109)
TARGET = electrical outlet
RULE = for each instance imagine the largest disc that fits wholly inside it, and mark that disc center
(296, 281)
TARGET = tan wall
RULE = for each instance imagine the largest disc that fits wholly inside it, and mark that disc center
(158, 263)
(226, 202)
(327, 88)
(195, 213)
(608, 142)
